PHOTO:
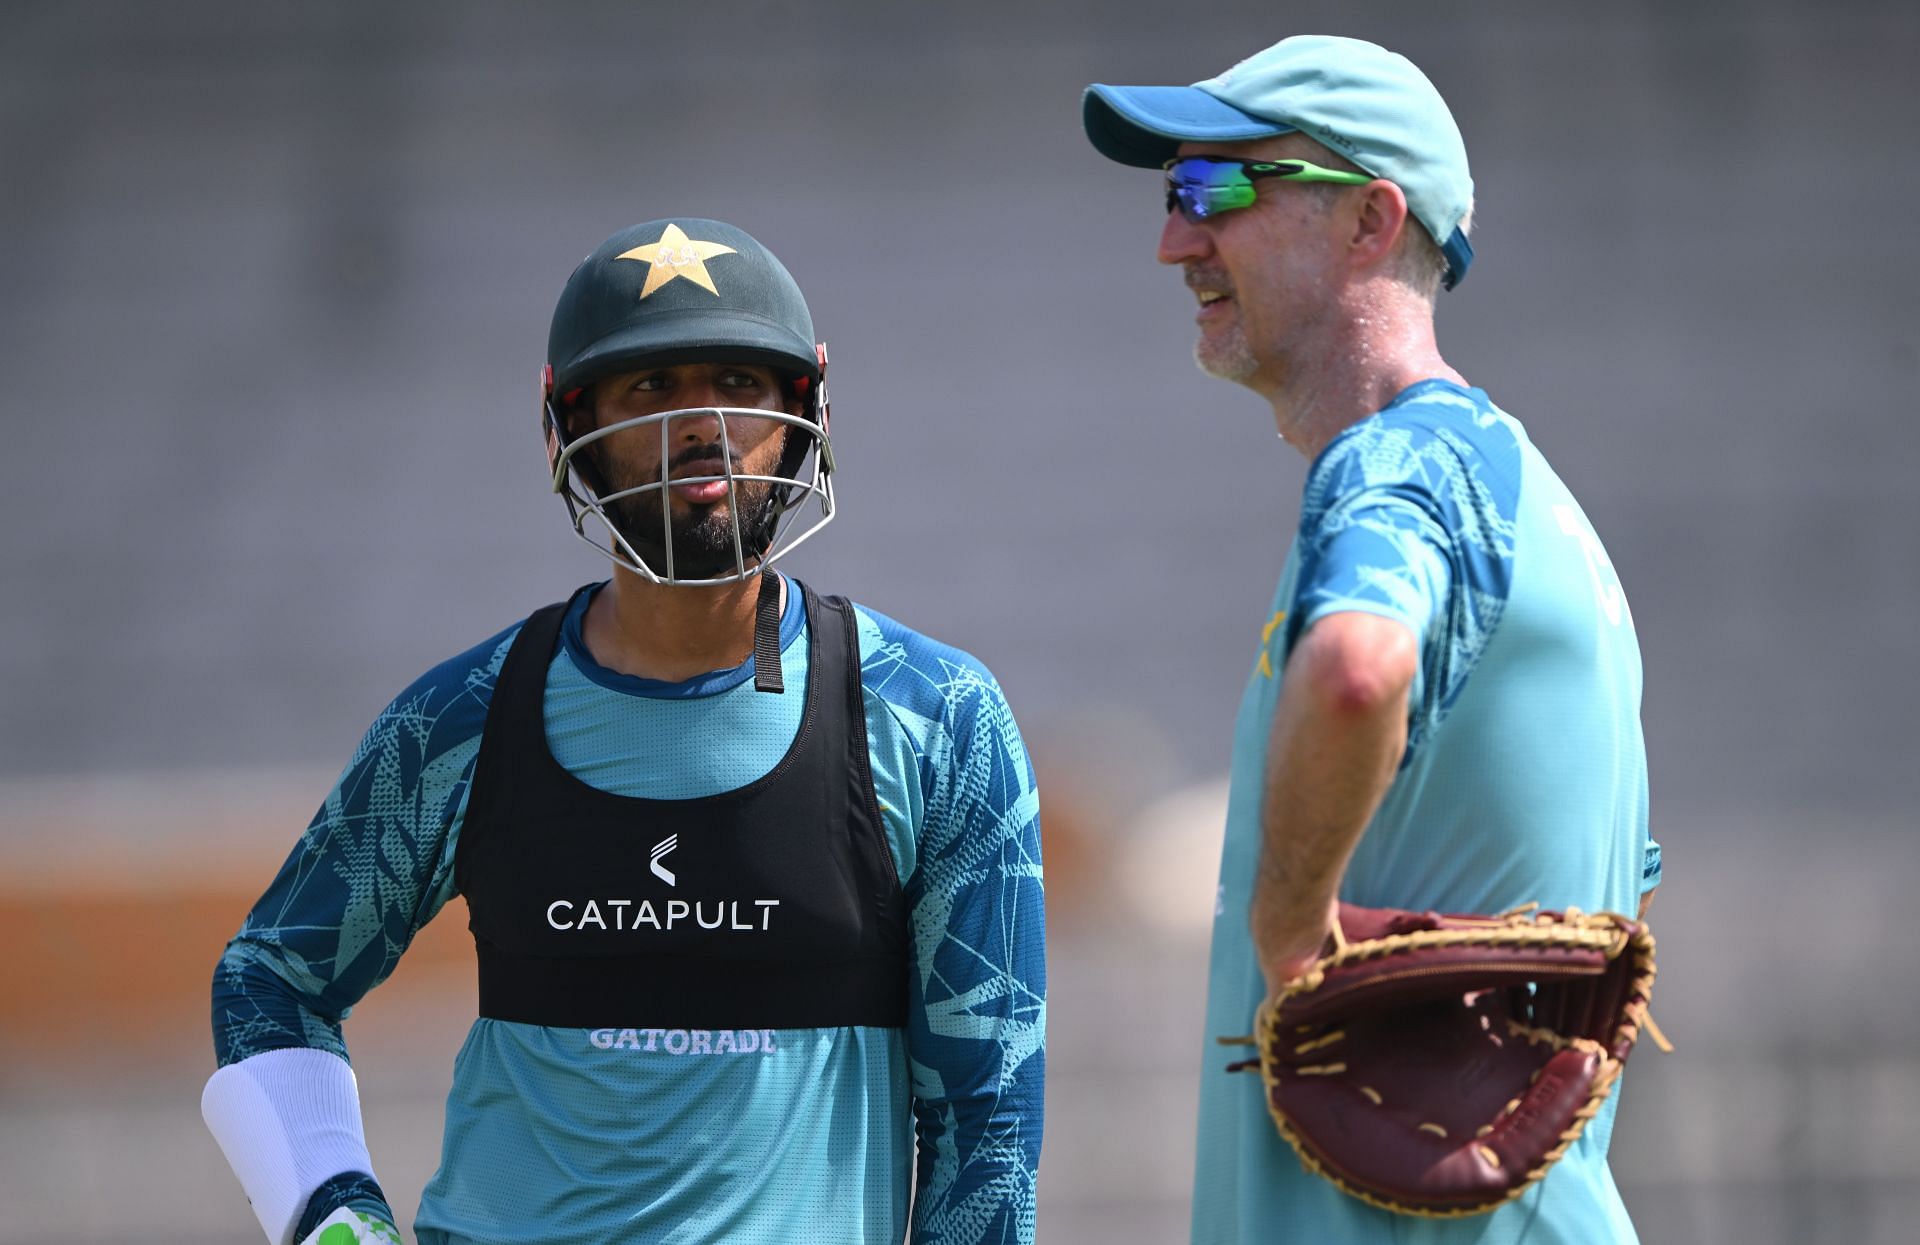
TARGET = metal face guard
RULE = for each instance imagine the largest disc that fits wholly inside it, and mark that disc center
(792, 527)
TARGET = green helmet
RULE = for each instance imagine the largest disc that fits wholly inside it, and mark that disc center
(686, 290)
(683, 290)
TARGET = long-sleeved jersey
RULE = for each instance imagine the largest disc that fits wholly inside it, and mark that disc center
(577, 1135)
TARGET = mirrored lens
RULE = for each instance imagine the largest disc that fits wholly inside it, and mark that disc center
(1202, 188)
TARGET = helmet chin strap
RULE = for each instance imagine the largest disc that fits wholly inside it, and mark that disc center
(766, 634)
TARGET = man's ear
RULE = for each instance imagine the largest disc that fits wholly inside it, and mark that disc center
(1380, 219)
(796, 395)
(574, 418)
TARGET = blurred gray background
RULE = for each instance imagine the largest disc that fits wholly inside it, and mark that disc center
(274, 288)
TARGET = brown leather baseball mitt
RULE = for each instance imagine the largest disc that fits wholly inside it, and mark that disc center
(1438, 1065)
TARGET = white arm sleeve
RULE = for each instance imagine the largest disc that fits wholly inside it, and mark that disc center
(288, 1121)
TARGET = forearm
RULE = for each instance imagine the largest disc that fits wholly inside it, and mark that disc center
(1338, 734)
(288, 1122)
(977, 979)
(1327, 773)
(977, 1170)
(976, 1037)
(262, 1002)
(284, 1105)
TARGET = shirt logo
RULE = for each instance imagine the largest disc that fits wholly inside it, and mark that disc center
(677, 257)
(622, 915)
(687, 1041)
(1606, 584)
(1266, 640)
(660, 849)
(727, 914)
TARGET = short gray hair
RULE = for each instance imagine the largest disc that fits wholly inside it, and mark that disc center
(1417, 262)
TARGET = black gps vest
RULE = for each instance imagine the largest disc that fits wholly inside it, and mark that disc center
(773, 906)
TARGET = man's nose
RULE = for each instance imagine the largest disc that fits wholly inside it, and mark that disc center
(701, 424)
(1182, 241)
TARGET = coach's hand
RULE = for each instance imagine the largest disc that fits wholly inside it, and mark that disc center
(1286, 950)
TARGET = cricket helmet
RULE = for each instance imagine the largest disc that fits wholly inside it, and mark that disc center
(686, 290)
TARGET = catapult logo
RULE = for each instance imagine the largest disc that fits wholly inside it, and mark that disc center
(622, 915)
(660, 849)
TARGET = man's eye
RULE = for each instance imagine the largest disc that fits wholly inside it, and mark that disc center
(647, 384)
(740, 380)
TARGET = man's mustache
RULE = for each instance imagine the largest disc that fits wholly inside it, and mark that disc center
(704, 454)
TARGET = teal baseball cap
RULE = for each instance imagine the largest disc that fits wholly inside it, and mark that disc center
(1356, 98)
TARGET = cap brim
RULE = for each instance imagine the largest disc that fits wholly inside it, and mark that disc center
(1144, 125)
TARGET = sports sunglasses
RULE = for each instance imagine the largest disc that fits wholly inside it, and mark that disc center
(1205, 186)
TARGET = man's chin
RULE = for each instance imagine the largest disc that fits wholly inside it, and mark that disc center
(1236, 367)
(687, 570)
(702, 549)
(1225, 356)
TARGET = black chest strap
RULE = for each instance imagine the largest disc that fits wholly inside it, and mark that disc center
(774, 905)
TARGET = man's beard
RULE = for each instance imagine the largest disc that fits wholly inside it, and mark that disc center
(703, 545)
(1226, 355)
(1223, 352)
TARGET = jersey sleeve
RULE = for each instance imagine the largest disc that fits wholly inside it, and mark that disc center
(1372, 539)
(1410, 516)
(976, 1024)
(372, 868)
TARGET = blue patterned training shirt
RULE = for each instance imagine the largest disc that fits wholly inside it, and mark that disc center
(797, 1135)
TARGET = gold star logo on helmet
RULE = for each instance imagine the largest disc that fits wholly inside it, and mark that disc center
(676, 256)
